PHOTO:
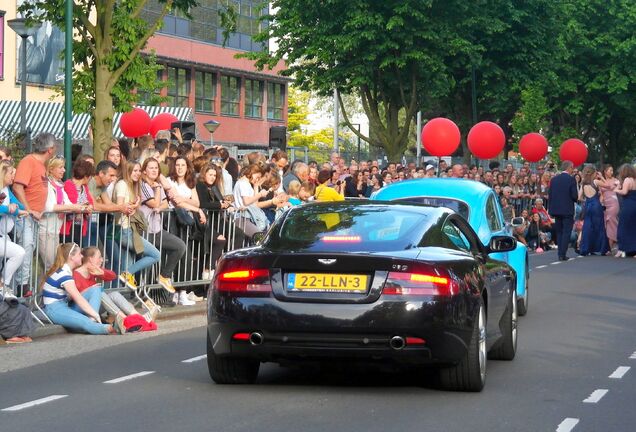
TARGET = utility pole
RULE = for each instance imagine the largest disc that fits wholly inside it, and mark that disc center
(68, 85)
(336, 119)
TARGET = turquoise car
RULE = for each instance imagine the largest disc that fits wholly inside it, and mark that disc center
(478, 204)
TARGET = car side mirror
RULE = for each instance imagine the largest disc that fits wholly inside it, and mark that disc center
(258, 238)
(518, 221)
(502, 244)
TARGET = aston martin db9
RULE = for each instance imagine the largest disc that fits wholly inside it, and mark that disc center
(398, 284)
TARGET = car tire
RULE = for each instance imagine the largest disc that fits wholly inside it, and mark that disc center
(522, 303)
(231, 370)
(507, 348)
(470, 373)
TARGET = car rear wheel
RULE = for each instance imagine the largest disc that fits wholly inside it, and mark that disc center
(507, 349)
(231, 370)
(522, 303)
(470, 373)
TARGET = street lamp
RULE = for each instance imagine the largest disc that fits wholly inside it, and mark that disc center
(24, 30)
(211, 126)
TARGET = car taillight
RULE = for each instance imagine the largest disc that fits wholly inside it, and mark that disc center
(414, 284)
(251, 282)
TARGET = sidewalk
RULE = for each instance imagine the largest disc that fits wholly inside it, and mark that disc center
(52, 343)
(167, 313)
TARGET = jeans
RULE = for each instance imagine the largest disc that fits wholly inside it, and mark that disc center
(25, 228)
(149, 256)
(174, 247)
(71, 316)
(115, 303)
(13, 255)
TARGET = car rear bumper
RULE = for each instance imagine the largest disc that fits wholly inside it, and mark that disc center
(302, 331)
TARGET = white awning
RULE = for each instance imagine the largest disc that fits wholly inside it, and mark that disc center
(49, 117)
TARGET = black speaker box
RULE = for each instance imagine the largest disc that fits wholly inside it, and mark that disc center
(278, 137)
(188, 129)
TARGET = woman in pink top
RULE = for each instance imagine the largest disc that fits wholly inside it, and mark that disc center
(608, 184)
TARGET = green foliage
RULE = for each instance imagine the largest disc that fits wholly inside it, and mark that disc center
(14, 141)
(595, 93)
(533, 114)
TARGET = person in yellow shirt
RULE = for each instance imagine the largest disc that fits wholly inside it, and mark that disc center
(326, 193)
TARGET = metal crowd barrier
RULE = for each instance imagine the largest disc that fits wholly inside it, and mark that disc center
(41, 238)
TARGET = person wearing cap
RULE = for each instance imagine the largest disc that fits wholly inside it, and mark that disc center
(430, 171)
(324, 192)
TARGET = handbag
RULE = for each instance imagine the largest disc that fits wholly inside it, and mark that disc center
(257, 216)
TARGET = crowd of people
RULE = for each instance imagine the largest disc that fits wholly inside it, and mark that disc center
(215, 203)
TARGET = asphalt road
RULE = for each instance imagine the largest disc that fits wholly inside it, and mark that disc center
(573, 371)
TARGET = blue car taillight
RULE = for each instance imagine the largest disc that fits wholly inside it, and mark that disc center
(249, 282)
(419, 284)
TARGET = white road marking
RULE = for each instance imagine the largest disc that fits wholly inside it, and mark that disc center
(633, 356)
(542, 266)
(555, 263)
(567, 425)
(34, 403)
(620, 372)
(193, 359)
(128, 377)
(596, 396)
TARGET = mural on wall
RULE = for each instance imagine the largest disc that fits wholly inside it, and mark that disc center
(45, 65)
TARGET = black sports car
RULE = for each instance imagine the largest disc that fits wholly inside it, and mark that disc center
(375, 281)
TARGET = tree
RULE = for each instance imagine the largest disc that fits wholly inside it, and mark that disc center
(533, 115)
(387, 52)
(108, 64)
(594, 94)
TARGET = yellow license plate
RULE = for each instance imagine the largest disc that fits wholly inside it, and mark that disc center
(324, 282)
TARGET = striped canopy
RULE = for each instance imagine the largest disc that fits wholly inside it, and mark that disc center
(49, 117)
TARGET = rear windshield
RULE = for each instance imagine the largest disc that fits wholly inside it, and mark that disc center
(453, 204)
(359, 228)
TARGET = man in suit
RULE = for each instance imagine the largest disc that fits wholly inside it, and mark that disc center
(561, 199)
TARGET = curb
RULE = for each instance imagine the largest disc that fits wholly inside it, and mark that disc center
(166, 314)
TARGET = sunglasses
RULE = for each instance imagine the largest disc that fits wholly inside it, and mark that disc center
(59, 156)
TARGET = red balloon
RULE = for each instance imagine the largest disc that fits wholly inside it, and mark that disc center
(440, 137)
(486, 140)
(573, 150)
(134, 123)
(162, 121)
(533, 147)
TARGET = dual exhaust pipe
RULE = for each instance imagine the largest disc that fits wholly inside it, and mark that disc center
(256, 338)
(397, 342)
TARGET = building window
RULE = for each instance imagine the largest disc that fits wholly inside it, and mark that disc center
(230, 95)
(205, 23)
(178, 86)
(253, 98)
(275, 101)
(151, 98)
(205, 91)
(1, 44)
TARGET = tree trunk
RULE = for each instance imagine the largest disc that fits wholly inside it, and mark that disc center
(103, 115)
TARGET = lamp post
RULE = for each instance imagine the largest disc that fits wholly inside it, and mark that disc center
(211, 126)
(24, 30)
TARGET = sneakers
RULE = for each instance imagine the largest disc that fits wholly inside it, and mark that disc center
(166, 283)
(119, 325)
(193, 297)
(184, 300)
(129, 280)
(205, 275)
